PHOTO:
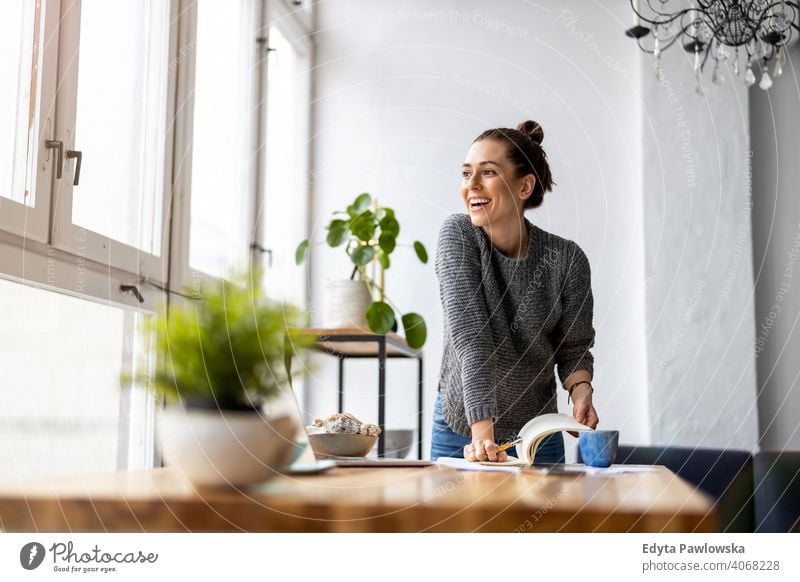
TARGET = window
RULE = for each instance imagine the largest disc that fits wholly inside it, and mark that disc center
(110, 203)
(24, 158)
(132, 162)
(61, 357)
(285, 208)
(128, 154)
(87, 143)
(224, 135)
(17, 44)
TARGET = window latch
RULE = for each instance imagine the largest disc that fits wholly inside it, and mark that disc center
(59, 146)
(262, 41)
(133, 290)
(264, 251)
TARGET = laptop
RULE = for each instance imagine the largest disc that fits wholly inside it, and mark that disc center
(308, 463)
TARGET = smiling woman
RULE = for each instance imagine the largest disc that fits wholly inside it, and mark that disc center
(517, 302)
(502, 162)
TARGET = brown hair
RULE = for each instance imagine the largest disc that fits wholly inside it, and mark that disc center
(524, 149)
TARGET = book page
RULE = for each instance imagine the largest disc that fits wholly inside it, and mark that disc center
(510, 462)
(537, 428)
(464, 465)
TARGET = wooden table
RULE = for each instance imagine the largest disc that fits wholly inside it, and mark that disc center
(383, 499)
(353, 342)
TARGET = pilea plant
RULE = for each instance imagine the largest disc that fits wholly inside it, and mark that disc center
(369, 235)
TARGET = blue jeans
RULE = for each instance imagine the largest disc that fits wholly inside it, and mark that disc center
(446, 443)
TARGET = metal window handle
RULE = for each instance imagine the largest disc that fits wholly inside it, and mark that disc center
(133, 290)
(78, 155)
(57, 145)
(263, 251)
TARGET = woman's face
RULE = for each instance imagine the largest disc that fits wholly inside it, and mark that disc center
(489, 188)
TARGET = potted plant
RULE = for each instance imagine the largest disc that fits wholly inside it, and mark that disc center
(222, 359)
(369, 234)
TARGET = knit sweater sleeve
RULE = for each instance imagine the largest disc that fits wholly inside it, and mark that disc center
(458, 268)
(574, 334)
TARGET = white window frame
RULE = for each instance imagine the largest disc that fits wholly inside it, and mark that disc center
(40, 246)
(292, 27)
(182, 275)
(31, 222)
(72, 237)
(298, 13)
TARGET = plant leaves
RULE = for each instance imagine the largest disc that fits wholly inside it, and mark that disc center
(363, 225)
(383, 259)
(390, 225)
(387, 241)
(227, 346)
(301, 253)
(362, 254)
(416, 330)
(422, 254)
(383, 212)
(380, 317)
(337, 232)
(362, 203)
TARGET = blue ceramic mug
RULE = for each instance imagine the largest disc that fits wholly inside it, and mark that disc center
(598, 447)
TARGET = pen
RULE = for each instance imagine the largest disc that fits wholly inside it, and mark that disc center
(508, 445)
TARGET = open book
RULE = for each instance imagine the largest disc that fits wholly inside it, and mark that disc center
(532, 434)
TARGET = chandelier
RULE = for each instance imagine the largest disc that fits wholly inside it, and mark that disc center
(753, 31)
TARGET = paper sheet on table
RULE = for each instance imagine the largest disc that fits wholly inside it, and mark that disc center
(464, 465)
(512, 466)
(591, 471)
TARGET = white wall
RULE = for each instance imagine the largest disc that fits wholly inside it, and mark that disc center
(402, 89)
(775, 126)
(697, 208)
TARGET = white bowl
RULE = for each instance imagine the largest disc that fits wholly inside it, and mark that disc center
(341, 444)
(213, 448)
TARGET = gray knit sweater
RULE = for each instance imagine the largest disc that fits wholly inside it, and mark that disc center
(507, 323)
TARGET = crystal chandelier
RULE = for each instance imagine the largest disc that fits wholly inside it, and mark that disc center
(756, 31)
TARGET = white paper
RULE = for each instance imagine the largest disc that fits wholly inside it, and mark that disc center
(464, 465)
(592, 471)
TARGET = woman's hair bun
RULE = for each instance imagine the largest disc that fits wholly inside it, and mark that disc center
(533, 130)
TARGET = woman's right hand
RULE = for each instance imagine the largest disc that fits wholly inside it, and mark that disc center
(482, 447)
(484, 450)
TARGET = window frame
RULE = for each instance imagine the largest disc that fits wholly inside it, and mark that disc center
(182, 274)
(41, 248)
(21, 220)
(293, 31)
(71, 237)
(298, 13)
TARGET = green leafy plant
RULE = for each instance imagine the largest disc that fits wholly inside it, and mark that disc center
(369, 234)
(231, 346)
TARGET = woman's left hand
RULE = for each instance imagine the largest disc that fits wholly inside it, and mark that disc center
(582, 408)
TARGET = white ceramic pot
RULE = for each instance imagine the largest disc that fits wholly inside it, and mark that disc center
(213, 448)
(345, 304)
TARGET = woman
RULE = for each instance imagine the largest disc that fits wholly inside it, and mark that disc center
(517, 302)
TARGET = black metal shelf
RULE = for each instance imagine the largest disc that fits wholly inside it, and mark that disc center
(355, 343)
